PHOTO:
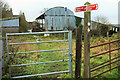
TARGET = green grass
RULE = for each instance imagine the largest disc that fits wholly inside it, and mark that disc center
(54, 56)
(38, 57)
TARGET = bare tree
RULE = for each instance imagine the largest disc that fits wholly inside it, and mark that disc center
(102, 19)
(44, 10)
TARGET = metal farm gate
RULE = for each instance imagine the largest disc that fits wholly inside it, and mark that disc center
(21, 62)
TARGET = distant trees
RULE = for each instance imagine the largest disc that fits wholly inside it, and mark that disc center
(102, 25)
(44, 10)
(23, 22)
(102, 19)
(6, 11)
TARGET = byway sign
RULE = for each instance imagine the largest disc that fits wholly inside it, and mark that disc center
(82, 8)
(87, 8)
(92, 7)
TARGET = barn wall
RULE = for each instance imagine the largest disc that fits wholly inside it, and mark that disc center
(59, 19)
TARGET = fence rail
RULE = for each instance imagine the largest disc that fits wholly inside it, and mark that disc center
(116, 59)
(105, 43)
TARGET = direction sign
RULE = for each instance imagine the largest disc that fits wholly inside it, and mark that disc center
(80, 9)
(87, 8)
(92, 7)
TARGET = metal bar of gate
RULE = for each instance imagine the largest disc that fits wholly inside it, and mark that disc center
(38, 51)
(70, 51)
(37, 63)
(37, 42)
(41, 74)
(12, 34)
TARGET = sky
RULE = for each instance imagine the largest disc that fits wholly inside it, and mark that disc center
(32, 8)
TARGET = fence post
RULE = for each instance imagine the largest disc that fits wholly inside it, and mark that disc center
(87, 19)
(110, 54)
(86, 48)
(1, 58)
(78, 52)
(70, 53)
(119, 37)
(119, 49)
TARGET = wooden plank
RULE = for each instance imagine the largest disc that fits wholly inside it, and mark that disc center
(78, 52)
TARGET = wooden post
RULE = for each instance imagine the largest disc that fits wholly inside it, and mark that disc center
(110, 54)
(119, 49)
(86, 45)
(1, 58)
(78, 52)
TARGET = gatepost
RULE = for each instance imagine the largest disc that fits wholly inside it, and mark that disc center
(0, 58)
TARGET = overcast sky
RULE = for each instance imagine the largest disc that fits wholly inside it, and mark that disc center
(32, 8)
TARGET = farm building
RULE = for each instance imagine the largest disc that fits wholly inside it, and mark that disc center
(116, 27)
(57, 18)
(10, 24)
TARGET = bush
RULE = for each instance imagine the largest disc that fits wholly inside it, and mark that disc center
(23, 23)
(102, 30)
(94, 33)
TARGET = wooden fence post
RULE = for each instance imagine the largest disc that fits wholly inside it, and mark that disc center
(119, 49)
(78, 52)
(86, 48)
(87, 18)
(110, 54)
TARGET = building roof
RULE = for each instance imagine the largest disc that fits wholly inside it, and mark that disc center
(56, 11)
(9, 18)
(42, 16)
(116, 25)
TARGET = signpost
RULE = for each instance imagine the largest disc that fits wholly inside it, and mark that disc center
(92, 7)
(80, 9)
(86, 8)
(87, 19)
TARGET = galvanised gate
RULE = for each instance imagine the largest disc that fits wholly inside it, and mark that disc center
(21, 61)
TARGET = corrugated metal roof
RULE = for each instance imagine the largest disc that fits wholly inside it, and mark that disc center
(59, 11)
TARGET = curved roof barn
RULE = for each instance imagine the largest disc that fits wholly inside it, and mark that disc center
(58, 18)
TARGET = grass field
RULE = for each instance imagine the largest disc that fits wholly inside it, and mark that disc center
(55, 56)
